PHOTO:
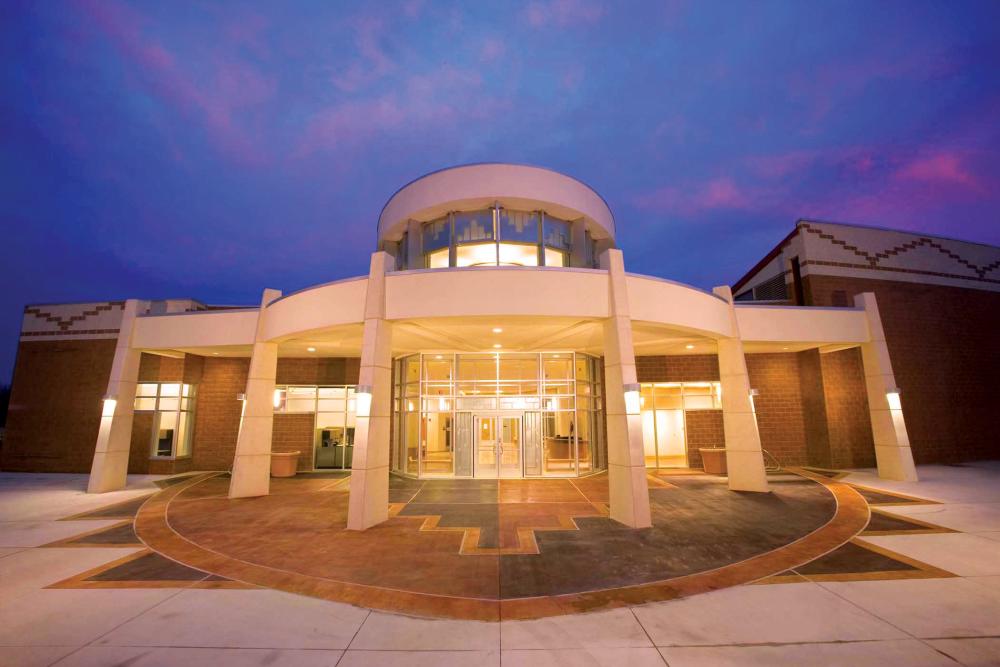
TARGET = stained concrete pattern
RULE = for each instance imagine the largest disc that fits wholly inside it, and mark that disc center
(936, 621)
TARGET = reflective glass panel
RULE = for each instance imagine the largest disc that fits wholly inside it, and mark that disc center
(556, 257)
(519, 226)
(668, 396)
(169, 404)
(145, 404)
(557, 367)
(437, 259)
(473, 226)
(437, 367)
(477, 367)
(436, 235)
(438, 452)
(555, 233)
(170, 390)
(519, 367)
(480, 254)
(146, 389)
(518, 254)
(411, 369)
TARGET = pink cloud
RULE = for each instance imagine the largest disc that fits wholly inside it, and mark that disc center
(373, 63)
(720, 193)
(572, 78)
(232, 86)
(493, 49)
(562, 13)
(423, 102)
(945, 168)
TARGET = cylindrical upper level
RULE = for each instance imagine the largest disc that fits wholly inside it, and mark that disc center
(495, 214)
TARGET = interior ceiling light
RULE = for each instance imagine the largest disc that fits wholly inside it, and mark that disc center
(497, 330)
(689, 346)
(310, 349)
(438, 356)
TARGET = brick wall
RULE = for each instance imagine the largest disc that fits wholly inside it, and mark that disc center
(688, 368)
(780, 414)
(294, 433)
(217, 418)
(157, 368)
(142, 438)
(318, 370)
(814, 413)
(703, 428)
(943, 346)
(848, 422)
(55, 405)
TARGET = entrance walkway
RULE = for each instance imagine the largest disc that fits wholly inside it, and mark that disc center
(500, 549)
(920, 585)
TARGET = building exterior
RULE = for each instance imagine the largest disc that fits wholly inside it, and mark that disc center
(497, 335)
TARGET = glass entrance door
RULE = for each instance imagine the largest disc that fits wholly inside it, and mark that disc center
(498, 446)
(510, 447)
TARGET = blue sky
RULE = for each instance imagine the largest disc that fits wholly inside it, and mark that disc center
(211, 149)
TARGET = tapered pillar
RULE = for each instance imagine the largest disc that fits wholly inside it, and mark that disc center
(114, 438)
(369, 500)
(744, 454)
(252, 463)
(629, 489)
(892, 444)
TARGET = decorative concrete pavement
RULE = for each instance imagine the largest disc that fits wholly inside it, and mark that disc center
(918, 585)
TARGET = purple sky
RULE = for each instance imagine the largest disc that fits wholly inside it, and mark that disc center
(208, 149)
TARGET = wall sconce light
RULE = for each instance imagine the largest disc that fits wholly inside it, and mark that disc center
(632, 403)
(241, 397)
(108, 408)
(363, 397)
(754, 392)
(893, 397)
(277, 398)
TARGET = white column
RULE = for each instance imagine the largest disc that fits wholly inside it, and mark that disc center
(629, 489)
(892, 444)
(369, 492)
(252, 464)
(114, 438)
(744, 455)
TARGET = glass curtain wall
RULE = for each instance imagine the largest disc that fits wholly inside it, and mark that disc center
(555, 396)
(335, 419)
(172, 404)
(496, 237)
(663, 409)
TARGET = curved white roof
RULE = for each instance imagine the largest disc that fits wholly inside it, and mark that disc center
(476, 186)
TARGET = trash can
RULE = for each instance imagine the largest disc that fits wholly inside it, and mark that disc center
(713, 460)
(284, 464)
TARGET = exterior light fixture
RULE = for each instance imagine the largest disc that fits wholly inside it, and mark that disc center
(310, 349)
(689, 346)
(497, 346)
(215, 354)
(108, 407)
(363, 396)
(241, 397)
(438, 356)
(755, 392)
(893, 397)
(632, 403)
(497, 330)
